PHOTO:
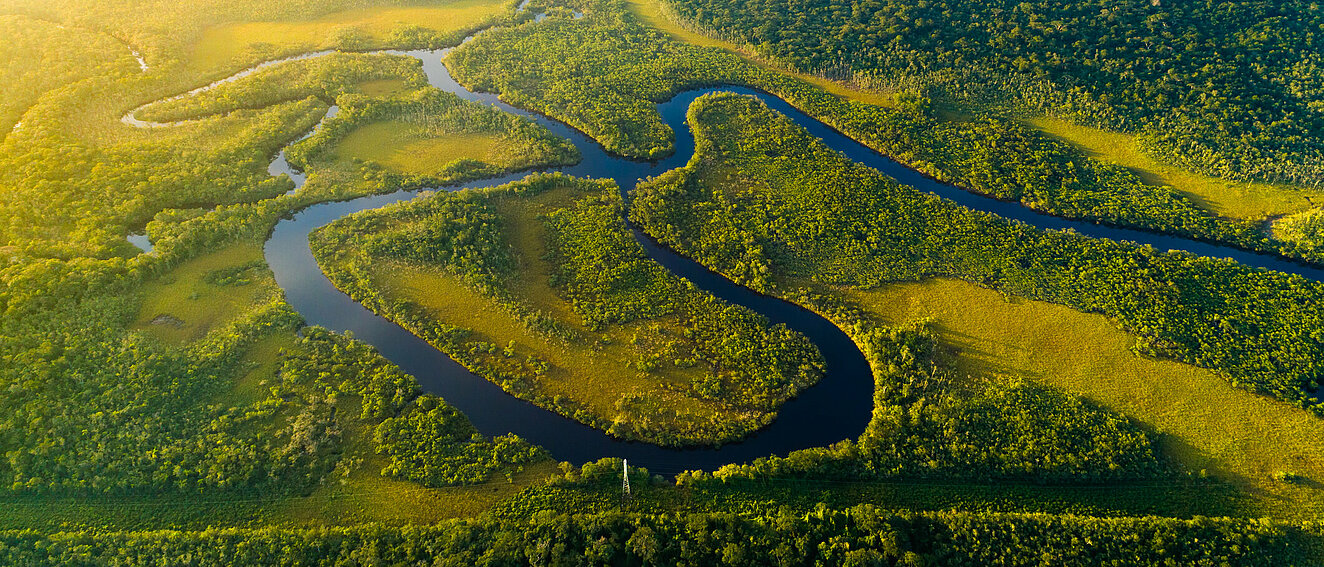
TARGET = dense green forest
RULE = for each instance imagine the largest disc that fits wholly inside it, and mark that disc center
(859, 536)
(678, 365)
(1229, 88)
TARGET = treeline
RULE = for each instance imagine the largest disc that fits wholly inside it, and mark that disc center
(737, 370)
(811, 213)
(1229, 89)
(859, 536)
(604, 73)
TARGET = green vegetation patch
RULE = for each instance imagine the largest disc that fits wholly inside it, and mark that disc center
(1224, 197)
(540, 287)
(602, 75)
(928, 422)
(205, 293)
(405, 148)
(38, 56)
(858, 536)
(1228, 89)
(325, 78)
(752, 199)
(429, 137)
(435, 445)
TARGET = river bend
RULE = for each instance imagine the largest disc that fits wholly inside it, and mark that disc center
(837, 408)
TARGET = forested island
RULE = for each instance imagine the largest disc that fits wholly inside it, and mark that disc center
(661, 282)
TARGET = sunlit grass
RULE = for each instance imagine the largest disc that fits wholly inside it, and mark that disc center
(181, 306)
(1233, 199)
(594, 376)
(382, 87)
(408, 148)
(264, 360)
(1206, 422)
(349, 29)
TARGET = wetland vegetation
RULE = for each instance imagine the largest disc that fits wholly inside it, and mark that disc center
(1039, 397)
(540, 287)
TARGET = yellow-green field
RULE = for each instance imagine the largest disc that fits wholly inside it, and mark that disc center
(408, 148)
(1206, 422)
(1223, 197)
(382, 87)
(181, 307)
(350, 29)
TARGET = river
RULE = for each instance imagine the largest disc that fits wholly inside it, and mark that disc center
(836, 408)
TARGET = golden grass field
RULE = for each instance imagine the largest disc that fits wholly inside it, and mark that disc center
(1206, 423)
(1234, 199)
(195, 305)
(350, 29)
(407, 148)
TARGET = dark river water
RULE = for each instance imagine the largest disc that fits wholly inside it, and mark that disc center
(836, 408)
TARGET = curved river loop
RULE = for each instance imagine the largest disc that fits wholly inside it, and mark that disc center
(838, 407)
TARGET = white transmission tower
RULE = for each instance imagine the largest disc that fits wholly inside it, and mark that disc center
(625, 479)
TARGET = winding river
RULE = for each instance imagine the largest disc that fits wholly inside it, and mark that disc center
(837, 408)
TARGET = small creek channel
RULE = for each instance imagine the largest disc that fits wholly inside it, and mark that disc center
(836, 408)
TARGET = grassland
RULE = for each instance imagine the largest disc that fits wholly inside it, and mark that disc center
(382, 87)
(597, 378)
(1205, 422)
(405, 148)
(183, 306)
(1235, 199)
(350, 29)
